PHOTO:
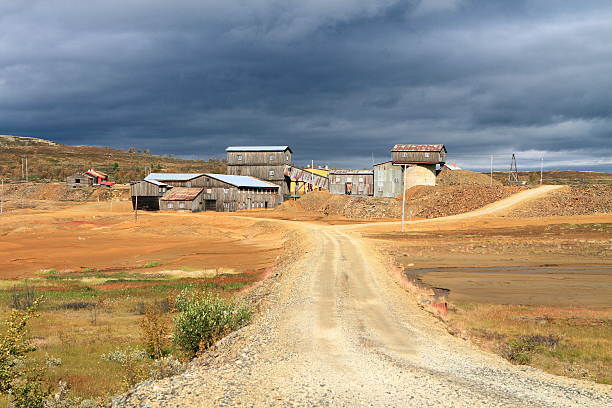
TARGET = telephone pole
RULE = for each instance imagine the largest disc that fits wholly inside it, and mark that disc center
(403, 196)
(541, 169)
(491, 170)
(1, 194)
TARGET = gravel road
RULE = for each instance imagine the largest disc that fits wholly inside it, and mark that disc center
(335, 330)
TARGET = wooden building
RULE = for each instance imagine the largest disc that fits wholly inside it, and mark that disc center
(217, 192)
(351, 181)
(388, 179)
(264, 162)
(419, 162)
(146, 194)
(89, 178)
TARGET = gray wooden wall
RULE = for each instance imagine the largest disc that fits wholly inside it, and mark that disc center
(418, 157)
(388, 180)
(363, 184)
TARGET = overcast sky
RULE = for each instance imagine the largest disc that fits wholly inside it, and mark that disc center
(339, 81)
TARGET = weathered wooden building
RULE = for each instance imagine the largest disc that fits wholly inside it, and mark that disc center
(264, 162)
(146, 194)
(90, 178)
(419, 162)
(215, 192)
(388, 179)
(351, 181)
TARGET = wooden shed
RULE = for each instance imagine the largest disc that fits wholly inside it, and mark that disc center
(388, 179)
(182, 199)
(418, 153)
(351, 181)
(146, 194)
(264, 162)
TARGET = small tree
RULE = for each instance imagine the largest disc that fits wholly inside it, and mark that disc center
(19, 378)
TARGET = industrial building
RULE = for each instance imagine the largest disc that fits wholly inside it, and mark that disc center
(388, 179)
(419, 162)
(351, 181)
(264, 162)
(203, 192)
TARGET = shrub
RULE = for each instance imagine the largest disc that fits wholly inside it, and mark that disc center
(19, 378)
(204, 318)
(22, 299)
(154, 328)
(131, 360)
(520, 349)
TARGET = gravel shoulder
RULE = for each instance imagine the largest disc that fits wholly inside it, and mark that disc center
(334, 329)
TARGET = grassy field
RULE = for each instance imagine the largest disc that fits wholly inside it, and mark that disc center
(86, 315)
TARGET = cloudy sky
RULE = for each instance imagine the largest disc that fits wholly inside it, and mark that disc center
(339, 81)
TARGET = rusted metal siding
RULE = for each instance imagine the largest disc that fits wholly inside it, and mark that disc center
(351, 184)
(388, 180)
(418, 157)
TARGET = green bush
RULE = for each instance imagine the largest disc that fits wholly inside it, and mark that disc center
(204, 318)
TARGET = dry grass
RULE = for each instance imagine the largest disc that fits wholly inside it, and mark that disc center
(564, 341)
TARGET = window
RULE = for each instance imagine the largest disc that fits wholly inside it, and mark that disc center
(426, 154)
(170, 205)
(239, 157)
(337, 179)
(271, 157)
(78, 181)
(396, 180)
(271, 173)
(380, 184)
(226, 190)
(361, 179)
(287, 157)
(349, 179)
(189, 184)
(181, 205)
(404, 154)
(209, 191)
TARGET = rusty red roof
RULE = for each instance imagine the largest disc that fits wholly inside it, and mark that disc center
(351, 171)
(182, 194)
(418, 148)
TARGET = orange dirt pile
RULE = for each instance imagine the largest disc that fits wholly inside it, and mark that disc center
(448, 177)
(574, 200)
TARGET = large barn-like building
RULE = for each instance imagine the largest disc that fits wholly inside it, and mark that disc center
(203, 192)
(418, 162)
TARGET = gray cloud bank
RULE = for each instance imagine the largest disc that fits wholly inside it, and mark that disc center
(338, 80)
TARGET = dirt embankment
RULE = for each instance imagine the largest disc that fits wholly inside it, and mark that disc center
(448, 177)
(570, 201)
(421, 201)
(61, 192)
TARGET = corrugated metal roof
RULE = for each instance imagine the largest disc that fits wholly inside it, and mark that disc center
(257, 149)
(157, 183)
(418, 148)
(96, 173)
(243, 181)
(351, 171)
(182, 194)
(172, 176)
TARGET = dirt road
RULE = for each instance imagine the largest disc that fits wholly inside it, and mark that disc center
(337, 331)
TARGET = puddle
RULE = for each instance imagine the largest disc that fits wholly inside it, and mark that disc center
(512, 269)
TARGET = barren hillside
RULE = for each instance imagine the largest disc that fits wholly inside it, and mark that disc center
(52, 161)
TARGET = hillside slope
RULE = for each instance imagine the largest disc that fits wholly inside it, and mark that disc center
(48, 160)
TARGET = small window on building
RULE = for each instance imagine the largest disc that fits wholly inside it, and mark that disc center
(349, 179)
(396, 180)
(271, 172)
(337, 179)
(209, 191)
(380, 184)
(426, 154)
(181, 205)
(239, 157)
(226, 190)
(189, 184)
(361, 179)
(404, 154)
(271, 157)
(77, 181)
(170, 205)
(287, 157)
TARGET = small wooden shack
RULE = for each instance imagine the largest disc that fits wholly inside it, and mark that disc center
(388, 179)
(351, 181)
(89, 178)
(182, 199)
(264, 162)
(419, 162)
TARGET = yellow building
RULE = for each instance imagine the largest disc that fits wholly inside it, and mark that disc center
(303, 188)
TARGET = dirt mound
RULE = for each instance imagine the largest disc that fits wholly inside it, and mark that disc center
(573, 200)
(62, 192)
(423, 201)
(448, 177)
(442, 201)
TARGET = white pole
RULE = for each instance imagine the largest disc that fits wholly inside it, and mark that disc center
(491, 169)
(1, 194)
(541, 169)
(403, 195)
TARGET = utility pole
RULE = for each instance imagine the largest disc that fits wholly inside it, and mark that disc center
(26, 165)
(1, 194)
(403, 195)
(136, 208)
(541, 169)
(491, 170)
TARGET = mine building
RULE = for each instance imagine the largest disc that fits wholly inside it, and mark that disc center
(351, 181)
(207, 192)
(146, 194)
(91, 178)
(419, 162)
(388, 179)
(264, 162)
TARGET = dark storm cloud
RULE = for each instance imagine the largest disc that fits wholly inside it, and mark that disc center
(340, 81)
